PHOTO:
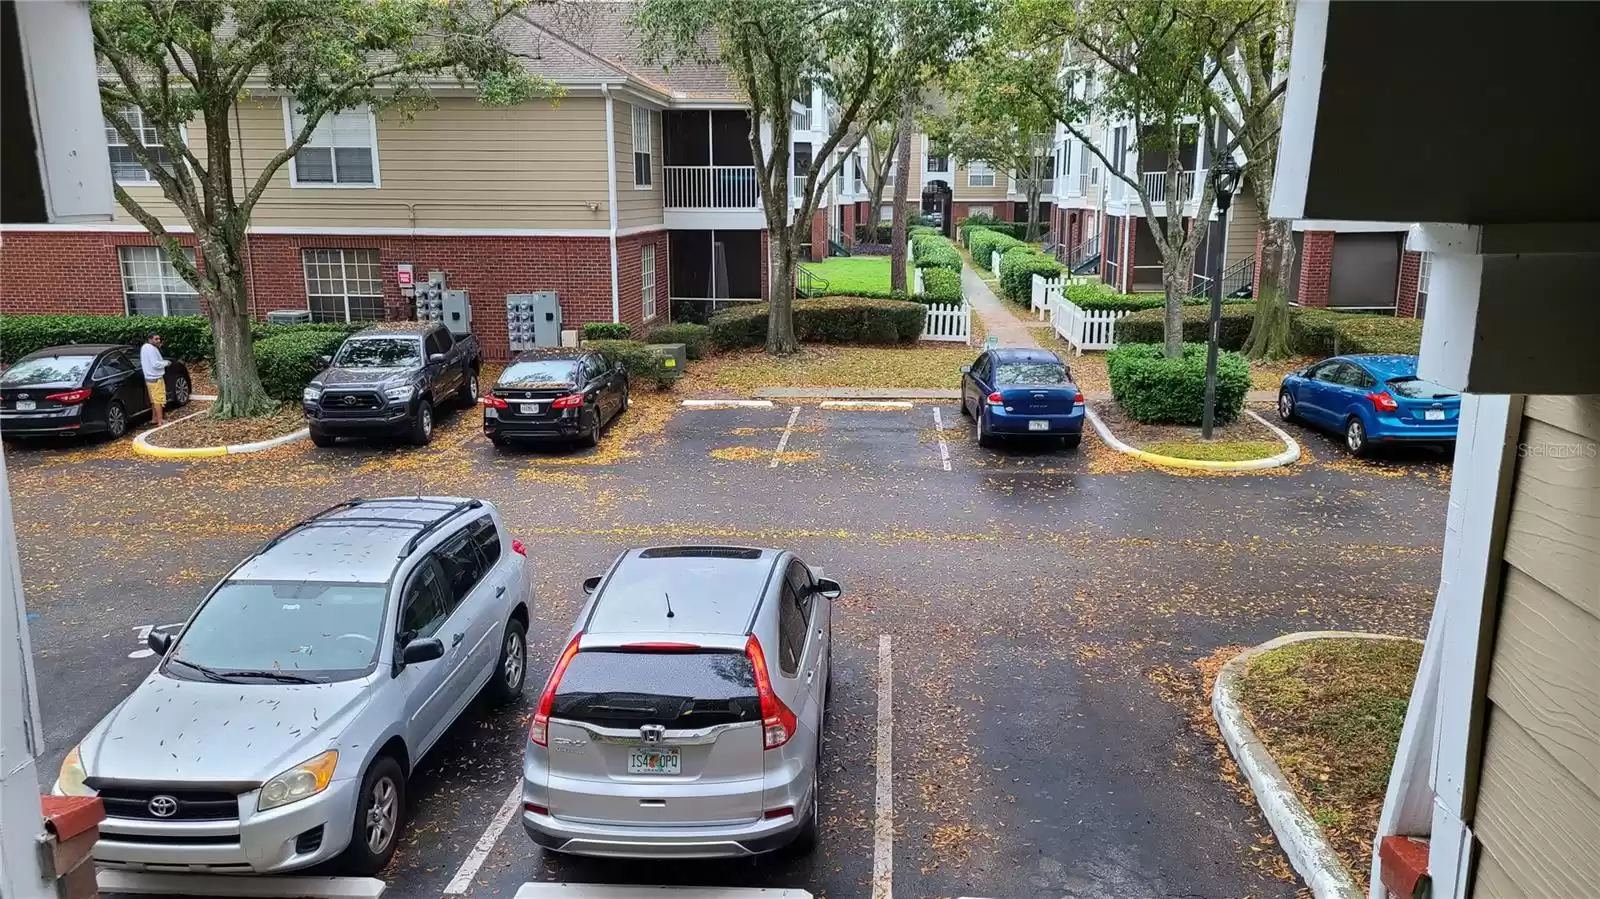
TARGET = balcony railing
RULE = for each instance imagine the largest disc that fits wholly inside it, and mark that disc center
(1158, 190)
(797, 186)
(1078, 185)
(712, 187)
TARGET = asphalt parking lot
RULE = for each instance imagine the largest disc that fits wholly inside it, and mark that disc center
(1049, 614)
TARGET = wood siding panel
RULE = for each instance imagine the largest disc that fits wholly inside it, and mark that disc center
(1553, 533)
(1493, 882)
(1578, 414)
(638, 206)
(964, 193)
(1538, 821)
(1243, 219)
(149, 196)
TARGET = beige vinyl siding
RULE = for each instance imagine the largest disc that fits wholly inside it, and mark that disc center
(1538, 814)
(459, 165)
(963, 193)
(1242, 220)
(637, 206)
(149, 196)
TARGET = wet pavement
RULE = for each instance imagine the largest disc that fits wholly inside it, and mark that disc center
(1051, 614)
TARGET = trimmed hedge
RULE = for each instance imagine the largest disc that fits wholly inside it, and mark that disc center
(934, 250)
(869, 234)
(1323, 332)
(693, 337)
(288, 361)
(940, 285)
(607, 331)
(983, 242)
(1146, 326)
(914, 230)
(825, 320)
(1018, 266)
(642, 363)
(184, 337)
(1156, 390)
(262, 330)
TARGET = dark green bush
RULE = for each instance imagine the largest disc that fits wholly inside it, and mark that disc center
(934, 250)
(262, 330)
(940, 285)
(1017, 268)
(983, 242)
(693, 337)
(643, 364)
(825, 320)
(1145, 326)
(607, 331)
(184, 337)
(1323, 332)
(880, 234)
(287, 362)
(1154, 389)
(915, 230)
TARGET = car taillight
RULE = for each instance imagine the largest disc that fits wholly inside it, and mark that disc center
(1382, 401)
(571, 401)
(1077, 400)
(494, 402)
(995, 400)
(536, 808)
(773, 814)
(539, 733)
(70, 397)
(777, 722)
(518, 548)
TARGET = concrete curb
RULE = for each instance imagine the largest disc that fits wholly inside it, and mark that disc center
(1298, 833)
(1284, 458)
(141, 444)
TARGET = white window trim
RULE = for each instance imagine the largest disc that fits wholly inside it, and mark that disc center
(980, 210)
(971, 174)
(648, 304)
(166, 304)
(344, 278)
(150, 181)
(943, 174)
(650, 148)
(294, 174)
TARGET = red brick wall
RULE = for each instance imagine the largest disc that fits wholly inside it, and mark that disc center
(819, 235)
(66, 271)
(1002, 209)
(766, 264)
(1405, 299)
(850, 225)
(630, 281)
(1316, 267)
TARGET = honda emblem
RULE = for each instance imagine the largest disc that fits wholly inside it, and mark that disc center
(651, 733)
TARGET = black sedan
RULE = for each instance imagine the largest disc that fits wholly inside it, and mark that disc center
(81, 389)
(555, 394)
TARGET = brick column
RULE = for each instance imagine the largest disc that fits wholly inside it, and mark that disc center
(1125, 271)
(850, 225)
(72, 826)
(1316, 267)
(819, 235)
(1405, 298)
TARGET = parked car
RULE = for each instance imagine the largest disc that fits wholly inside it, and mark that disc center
(82, 389)
(555, 394)
(684, 717)
(389, 379)
(1371, 400)
(1022, 392)
(280, 726)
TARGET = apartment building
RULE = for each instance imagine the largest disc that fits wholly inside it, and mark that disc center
(632, 197)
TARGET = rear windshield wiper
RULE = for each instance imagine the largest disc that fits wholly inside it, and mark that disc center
(209, 673)
(281, 676)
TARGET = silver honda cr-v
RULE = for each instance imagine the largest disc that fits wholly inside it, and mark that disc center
(684, 717)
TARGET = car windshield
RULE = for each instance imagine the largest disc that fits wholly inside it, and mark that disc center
(48, 370)
(1418, 389)
(324, 632)
(539, 371)
(379, 352)
(1030, 373)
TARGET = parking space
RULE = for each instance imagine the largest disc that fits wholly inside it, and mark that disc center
(1047, 609)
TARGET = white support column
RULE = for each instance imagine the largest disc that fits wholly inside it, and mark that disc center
(21, 822)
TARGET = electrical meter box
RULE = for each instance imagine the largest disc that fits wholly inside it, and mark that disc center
(456, 312)
(533, 319)
(671, 358)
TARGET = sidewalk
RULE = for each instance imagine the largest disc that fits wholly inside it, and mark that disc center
(997, 318)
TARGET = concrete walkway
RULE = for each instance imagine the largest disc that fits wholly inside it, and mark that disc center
(997, 318)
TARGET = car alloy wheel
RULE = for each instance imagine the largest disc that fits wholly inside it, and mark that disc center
(472, 388)
(1285, 405)
(425, 418)
(512, 669)
(1355, 436)
(181, 391)
(382, 816)
(116, 420)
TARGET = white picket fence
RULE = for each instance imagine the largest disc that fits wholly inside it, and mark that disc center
(1084, 329)
(994, 263)
(1046, 294)
(948, 321)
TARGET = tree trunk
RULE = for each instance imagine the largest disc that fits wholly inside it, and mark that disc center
(1034, 190)
(780, 320)
(1269, 330)
(239, 390)
(874, 212)
(898, 281)
(1175, 281)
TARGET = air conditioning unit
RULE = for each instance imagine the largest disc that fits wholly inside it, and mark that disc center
(289, 317)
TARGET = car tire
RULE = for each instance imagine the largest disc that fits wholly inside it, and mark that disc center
(1071, 442)
(1285, 405)
(422, 424)
(323, 440)
(380, 804)
(1355, 437)
(468, 397)
(511, 668)
(805, 839)
(591, 437)
(182, 390)
(116, 420)
(985, 439)
(499, 442)
(964, 410)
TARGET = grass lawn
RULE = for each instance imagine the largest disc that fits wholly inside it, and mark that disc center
(832, 366)
(1330, 712)
(1216, 450)
(851, 274)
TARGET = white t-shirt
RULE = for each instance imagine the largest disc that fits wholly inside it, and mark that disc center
(152, 363)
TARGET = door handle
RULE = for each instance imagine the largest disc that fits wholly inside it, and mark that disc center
(456, 640)
(500, 591)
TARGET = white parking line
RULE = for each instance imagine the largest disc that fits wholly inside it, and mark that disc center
(153, 883)
(883, 823)
(596, 891)
(502, 819)
(864, 404)
(784, 440)
(944, 448)
(728, 404)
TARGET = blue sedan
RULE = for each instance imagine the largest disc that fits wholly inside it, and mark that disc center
(1017, 392)
(1371, 400)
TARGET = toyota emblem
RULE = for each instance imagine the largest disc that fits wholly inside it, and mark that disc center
(350, 400)
(163, 806)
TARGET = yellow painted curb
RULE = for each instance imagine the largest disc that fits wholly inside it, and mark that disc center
(186, 452)
(1290, 454)
(141, 444)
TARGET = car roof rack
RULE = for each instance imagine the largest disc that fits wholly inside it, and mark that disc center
(453, 510)
(450, 509)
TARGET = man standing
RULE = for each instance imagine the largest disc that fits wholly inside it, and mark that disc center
(155, 379)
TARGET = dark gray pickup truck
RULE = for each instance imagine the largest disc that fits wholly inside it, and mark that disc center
(389, 379)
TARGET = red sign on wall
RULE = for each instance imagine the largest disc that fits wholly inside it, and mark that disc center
(403, 276)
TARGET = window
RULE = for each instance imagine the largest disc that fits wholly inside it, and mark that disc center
(114, 363)
(438, 342)
(857, 159)
(641, 147)
(986, 211)
(676, 690)
(1424, 275)
(125, 167)
(343, 285)
(426, 604)
(980, 174)
(791, 630)
(486, 537)
(647, 281)
(938, 160)
(151, 286)
(342, 151)
(462, 568)
(800, 581)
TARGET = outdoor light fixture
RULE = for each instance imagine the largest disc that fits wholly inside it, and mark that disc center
(1225, 174)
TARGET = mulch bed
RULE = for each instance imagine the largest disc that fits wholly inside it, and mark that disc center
(1138, 434)
(203, 430)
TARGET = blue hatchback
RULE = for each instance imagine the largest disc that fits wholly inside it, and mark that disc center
(1371, 400)
(1017, 392)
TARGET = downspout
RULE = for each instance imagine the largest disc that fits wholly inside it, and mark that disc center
(611, 195)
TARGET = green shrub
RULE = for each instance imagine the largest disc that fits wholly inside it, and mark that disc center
(984, 242)
(607, 331)
(1323, 332)
(825, 320)
(184, 337)
(940, 285)
(693, 337)
(262, 330)
(287, 362)
(915, 230)
(1146, 326)
(643, 364)
(1154, 389)
(934, 250)
(1017, 268)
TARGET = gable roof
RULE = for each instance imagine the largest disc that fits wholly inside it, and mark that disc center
(596, 39)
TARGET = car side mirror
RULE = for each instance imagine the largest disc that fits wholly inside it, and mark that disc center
(436, 359)
(158, 642)
(966, 369)
(326, 360)
(591, 584)
(828, 587)
(424, 650)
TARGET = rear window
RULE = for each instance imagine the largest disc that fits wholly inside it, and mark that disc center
(539, 373)
(1030, 373)
(48, 370)
(679, 691)
(1419, 389)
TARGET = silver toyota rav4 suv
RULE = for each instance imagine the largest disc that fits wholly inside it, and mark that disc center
(684, 717)
(280, 726)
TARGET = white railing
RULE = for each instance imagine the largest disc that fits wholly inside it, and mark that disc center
(1046, 294)
(712, 187)
(1155, 186)
(1078, 185)
(1084, 329)
(949, 322)
(797, 187)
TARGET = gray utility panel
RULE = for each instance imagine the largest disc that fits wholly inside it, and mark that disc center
(533, 319)
(457, 312)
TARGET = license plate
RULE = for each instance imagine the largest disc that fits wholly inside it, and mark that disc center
(528, 408)
(1433, 414)
(655, 761)
(1037, 425)
(26, 406)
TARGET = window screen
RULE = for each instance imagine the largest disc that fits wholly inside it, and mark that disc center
(342, 149)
